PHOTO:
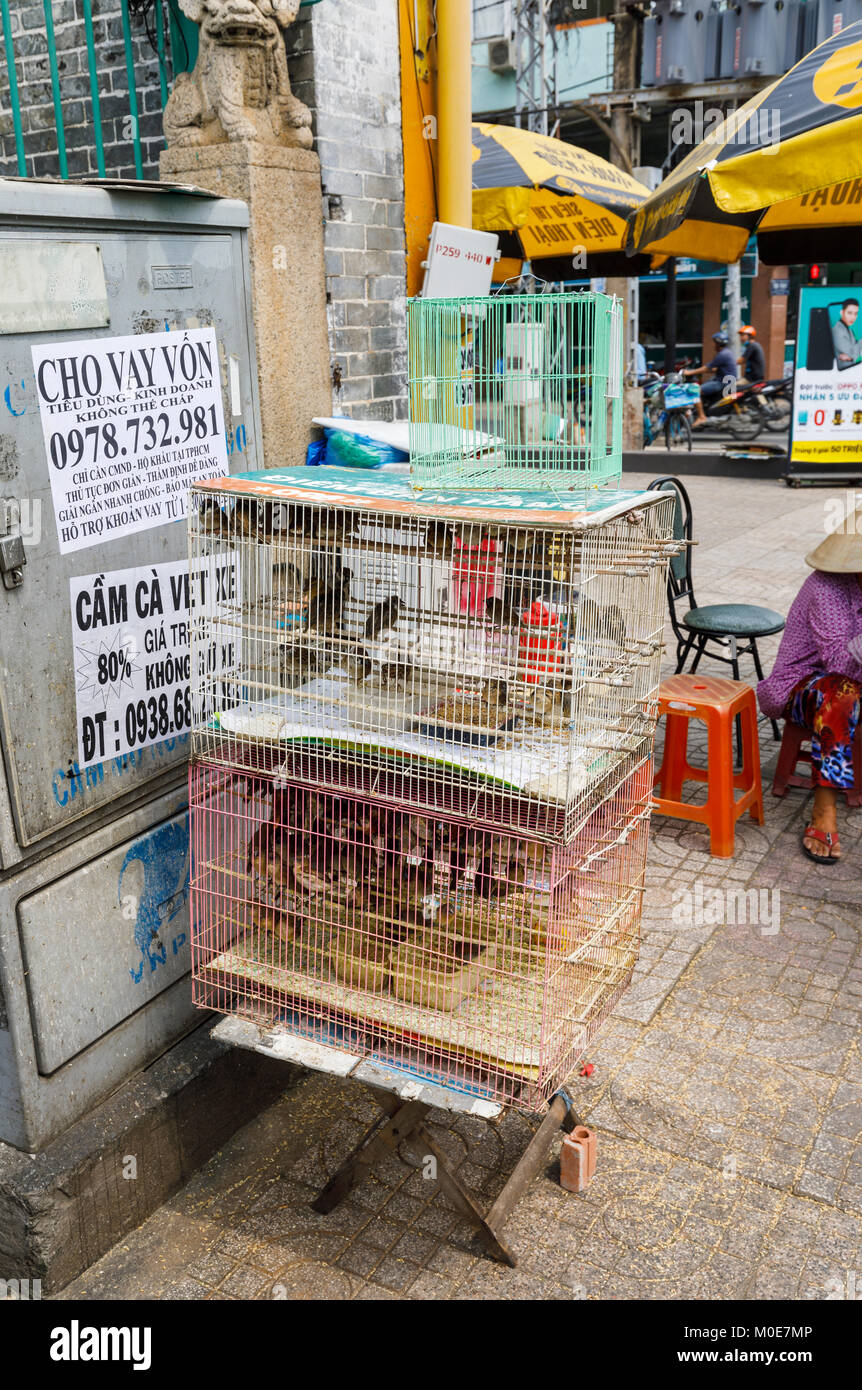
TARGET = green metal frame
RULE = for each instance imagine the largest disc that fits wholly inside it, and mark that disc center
(514, 391)
(13, 88)
(183, 41)
(183, 37)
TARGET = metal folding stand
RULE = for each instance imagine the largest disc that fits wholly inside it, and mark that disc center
(405, 1102)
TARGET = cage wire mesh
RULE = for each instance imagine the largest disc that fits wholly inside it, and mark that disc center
(475, 959)
(487, 668)
(515, 390)
(421, 771)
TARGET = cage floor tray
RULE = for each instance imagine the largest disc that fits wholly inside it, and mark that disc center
(537, 763)
(509, 1011)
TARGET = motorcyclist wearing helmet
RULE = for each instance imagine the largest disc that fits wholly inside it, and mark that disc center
(752, 360)
(723, 368)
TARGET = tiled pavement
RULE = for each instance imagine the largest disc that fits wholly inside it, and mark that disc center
(727, 1090)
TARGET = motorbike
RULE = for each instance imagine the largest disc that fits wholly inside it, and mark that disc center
(776, 403)
(739, 412)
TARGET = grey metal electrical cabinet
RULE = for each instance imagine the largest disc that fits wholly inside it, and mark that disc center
(765, 25)
(835, 15)
(730, 50)
(809, 21)
(684, 42)
(793, 35)
(94, 859)
(649, 75)
(713, 43)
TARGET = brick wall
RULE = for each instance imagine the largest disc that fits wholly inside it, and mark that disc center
(344, 64)
(30, 48)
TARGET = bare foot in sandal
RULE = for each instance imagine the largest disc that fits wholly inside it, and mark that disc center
(824, 816)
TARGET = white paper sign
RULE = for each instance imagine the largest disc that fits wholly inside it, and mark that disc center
(130, 639)
(129, 424)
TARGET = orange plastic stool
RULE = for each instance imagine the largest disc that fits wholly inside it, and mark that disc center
(717, 702)
(792, 753)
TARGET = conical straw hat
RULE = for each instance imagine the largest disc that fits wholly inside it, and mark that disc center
(841, 551)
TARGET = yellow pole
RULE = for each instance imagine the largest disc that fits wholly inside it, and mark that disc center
(454, 112)
(418, 119)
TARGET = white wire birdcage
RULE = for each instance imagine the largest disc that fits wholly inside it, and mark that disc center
(515, 390)
(495, 662)
(479, 960)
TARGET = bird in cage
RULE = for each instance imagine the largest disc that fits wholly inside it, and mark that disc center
(211, 519)
(298, 664)
(503, 868)
(506, 611)
(385, 649)
(254, 519)
(439, 540)
(397, 669)
(614, 624)
(404, 892)
(269, 872)
(382, 618)
(325, 600)
(314, 864)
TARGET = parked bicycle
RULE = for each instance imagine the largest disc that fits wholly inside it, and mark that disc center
(668, 403)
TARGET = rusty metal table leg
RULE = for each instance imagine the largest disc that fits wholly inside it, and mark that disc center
(404, 1122)
(398, 1122)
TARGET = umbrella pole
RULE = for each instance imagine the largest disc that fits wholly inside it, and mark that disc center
(454, 114)
(670, 316)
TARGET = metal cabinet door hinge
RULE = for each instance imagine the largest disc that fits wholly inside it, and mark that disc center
(12, 555)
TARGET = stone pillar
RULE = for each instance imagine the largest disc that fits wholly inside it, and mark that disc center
(281, 185)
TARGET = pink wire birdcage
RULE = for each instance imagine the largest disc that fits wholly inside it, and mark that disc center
(476, 959)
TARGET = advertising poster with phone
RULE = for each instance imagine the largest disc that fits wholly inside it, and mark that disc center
(827, 387)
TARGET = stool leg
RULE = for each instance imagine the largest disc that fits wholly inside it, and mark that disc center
(701, 648)
(734, 665)
(673, 762)
(755, 656)
(682, 651)
(721, 800)
(751, 759)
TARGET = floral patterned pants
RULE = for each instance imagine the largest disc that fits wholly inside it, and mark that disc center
(828, 707)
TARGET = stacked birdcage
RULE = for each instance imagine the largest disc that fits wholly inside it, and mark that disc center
(421, 773)
(516, 391)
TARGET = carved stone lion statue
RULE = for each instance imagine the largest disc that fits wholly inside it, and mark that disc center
(239, 89)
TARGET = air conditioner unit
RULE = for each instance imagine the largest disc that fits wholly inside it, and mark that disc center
(501, 55)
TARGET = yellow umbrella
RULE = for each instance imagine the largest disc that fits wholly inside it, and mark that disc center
(800, 134)
(552, 199)
(816, 226)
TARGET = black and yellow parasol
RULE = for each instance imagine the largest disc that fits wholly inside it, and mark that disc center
(548, 199)
(801, 134)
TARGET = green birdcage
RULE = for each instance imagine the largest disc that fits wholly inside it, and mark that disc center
(516, 391)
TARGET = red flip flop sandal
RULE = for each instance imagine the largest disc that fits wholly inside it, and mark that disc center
(829, 838)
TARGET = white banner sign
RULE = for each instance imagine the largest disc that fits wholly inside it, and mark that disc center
(130, 638)
(129, 425)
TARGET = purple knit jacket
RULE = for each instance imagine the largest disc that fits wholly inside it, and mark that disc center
(825, 615)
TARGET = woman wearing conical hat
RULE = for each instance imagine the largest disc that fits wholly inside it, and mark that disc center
(816, 681)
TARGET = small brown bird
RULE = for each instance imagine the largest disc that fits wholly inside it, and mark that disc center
(211, 519)
(325, 603)
(254, 519)
(383, 616)
(439, 540)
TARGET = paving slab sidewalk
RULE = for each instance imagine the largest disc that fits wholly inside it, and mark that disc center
(727, 1090)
